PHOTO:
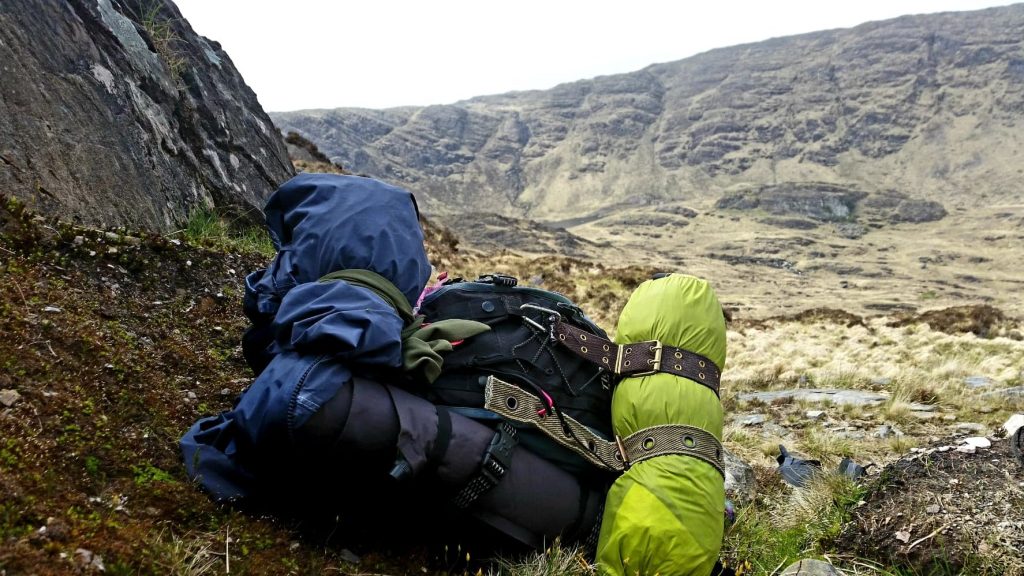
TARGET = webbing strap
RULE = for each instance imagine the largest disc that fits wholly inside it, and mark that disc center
(496, 461)
(518, 405)
(638, 358)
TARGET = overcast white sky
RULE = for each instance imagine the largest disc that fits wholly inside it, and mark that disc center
(381, 53)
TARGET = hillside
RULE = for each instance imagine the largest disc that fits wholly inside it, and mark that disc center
(880, 165)
(116, 341)
(927, 106)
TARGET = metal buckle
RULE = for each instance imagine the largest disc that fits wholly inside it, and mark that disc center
(656, 347)
(554, 317)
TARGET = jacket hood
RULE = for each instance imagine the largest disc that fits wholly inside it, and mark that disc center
(321, 223)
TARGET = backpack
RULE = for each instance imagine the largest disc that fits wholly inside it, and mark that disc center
(520, 349)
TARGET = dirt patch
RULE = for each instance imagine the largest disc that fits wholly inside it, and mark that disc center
(945, 512)
(983, 320)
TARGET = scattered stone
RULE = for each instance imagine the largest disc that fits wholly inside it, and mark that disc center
(811, 568)
(836, 396)
(225, 392)
(933, 509)
(770, 429)
(753, 420)
(922, 415)
(740, 482)
(881, 381)
(9, 397)
(88, 562)
(851, 434)
(886, 431)
(78, 241)
(349, 556)
(978, 442)
(966, 449)
(190, 395)
(978, 381)
(903, 536)
(970, 428)
(1013, 424)
(52, 310)
(815, 414)
(1015, 392)
(112, 250)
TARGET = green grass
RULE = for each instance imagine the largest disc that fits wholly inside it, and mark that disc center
(788, 526)
(205, 227)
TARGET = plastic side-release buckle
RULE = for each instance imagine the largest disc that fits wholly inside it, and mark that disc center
(498, 456)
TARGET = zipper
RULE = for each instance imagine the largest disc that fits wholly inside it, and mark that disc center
(294, 400)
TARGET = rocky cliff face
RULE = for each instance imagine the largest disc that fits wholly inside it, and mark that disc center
(115, 112)
(926, 106)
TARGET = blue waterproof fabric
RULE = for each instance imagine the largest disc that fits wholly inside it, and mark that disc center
(320, 223)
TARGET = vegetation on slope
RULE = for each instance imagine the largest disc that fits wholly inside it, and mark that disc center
(115, 343)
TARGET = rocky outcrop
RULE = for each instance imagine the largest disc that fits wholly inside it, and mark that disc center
(927, 105)
(115, 112)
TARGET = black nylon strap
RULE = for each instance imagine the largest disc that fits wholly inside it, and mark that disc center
(444, 436)
(496, 461)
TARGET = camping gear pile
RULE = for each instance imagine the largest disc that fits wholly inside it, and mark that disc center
(505, 402)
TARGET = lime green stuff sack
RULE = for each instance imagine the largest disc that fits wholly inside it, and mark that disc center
(665, 515)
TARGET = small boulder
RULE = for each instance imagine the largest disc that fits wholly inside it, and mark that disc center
(740, 482)
(811, 568)
(9, 397)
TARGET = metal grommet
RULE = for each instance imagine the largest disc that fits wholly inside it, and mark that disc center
(700, 375)
(689, 442)
(583, 349)
(566, 430)
(678, 367)
(679, 355)
(701, 364)
(604, 359)
(561, 337)
(591, 446)
(606, 348)
(583, 337)
(626, 363)
(618, 457)
(648, 443)
(628, 350)
(511, 402)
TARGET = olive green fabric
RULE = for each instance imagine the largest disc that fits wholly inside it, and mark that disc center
(421, 345)
(665, 515)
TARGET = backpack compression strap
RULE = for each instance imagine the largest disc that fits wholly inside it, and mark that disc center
(638, 358)
(518, 405)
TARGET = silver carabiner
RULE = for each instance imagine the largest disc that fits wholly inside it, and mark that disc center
(552, 317)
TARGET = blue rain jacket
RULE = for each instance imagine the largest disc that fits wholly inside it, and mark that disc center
(320, 331)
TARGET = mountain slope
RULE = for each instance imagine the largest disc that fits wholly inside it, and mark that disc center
(924, 105)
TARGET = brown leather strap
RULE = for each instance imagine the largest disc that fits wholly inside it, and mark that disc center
(518, 405)
(638, 358)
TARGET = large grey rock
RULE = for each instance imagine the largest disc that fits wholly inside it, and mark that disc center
(1015, 392)
(740, 482)
(811, 568)
(837, 396)
(115, 112)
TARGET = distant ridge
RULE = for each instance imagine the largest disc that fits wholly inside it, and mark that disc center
(925, 106)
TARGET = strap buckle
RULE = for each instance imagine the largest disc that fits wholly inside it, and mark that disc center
(653, 363)
(498, 455)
